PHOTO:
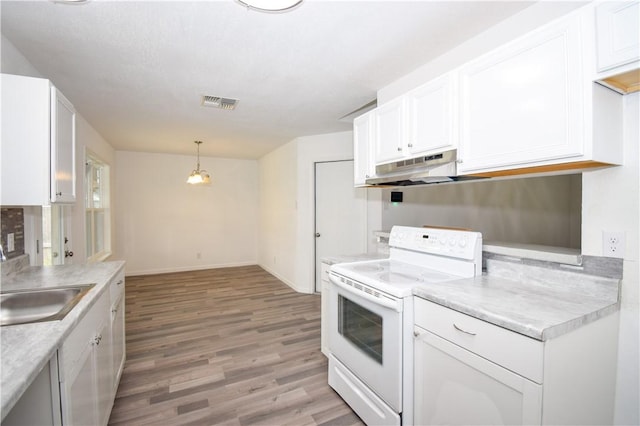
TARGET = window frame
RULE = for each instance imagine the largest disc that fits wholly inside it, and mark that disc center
(97, 172)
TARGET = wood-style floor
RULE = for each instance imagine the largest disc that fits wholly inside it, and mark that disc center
(231, 346)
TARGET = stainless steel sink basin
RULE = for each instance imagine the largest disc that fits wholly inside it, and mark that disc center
(37, 305)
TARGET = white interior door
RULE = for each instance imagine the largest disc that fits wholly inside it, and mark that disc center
(341, 213)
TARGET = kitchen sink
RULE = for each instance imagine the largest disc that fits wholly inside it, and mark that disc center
(38, 305)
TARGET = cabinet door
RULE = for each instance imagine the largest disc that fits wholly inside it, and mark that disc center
(523, 104)
(79, 392)
(63, 144)
(104, 372)
(431, 116)
(118, 341)
(25, 141)
(389, 131)
(456, 387)
(363, 164)
(618, 33)
(40, 403)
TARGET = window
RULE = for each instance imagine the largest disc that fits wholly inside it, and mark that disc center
(98, 216)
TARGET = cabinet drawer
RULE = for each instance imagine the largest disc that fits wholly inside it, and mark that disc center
(511, 350)
(75, 344)
(116, 287)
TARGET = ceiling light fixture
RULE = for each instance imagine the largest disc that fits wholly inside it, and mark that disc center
(198, 176)
(270, 5)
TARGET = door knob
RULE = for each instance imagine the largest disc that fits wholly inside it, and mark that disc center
(317, 234)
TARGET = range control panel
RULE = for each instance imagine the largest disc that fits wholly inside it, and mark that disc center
(445, 242)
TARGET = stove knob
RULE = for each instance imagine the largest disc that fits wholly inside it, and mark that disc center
(463, 242)
(452, 241)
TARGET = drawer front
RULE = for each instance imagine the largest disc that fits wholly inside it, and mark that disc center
(511, 350)
(86, 329)
(116, 287)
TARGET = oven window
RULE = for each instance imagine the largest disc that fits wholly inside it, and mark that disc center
(361, 327)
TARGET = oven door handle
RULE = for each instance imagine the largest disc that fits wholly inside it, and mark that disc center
(384, 302)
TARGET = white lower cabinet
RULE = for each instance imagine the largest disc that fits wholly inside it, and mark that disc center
(456, 387)
(40, 403)
(86, 377)
(117, 328)
(468, 371)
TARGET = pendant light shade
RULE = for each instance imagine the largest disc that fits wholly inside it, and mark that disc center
(198, 176)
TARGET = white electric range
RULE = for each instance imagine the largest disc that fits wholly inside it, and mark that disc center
(371, 317)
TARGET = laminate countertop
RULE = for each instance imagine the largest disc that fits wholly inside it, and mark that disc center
(537, 302)
(26, 348)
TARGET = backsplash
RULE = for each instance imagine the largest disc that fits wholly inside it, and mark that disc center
(12, 221)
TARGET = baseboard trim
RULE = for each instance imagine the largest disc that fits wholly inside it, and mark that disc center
(187, 268)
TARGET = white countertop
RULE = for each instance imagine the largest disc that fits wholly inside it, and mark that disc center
(26, 348)
(533, 301)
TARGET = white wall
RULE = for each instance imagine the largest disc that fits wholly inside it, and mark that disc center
(312, 149)
(541, 210)
(611, 202)
(287, 244)
(278, 213)
(87, 138)
(14, 62)
(164, 224)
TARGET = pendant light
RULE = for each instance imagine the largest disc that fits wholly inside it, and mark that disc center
(198, 176)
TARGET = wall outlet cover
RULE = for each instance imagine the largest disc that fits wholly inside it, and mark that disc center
(613, 244)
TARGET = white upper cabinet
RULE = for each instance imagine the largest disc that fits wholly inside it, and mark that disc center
(363, 145)
(417, 123)
(618, 45)
(63, 143)
(38, 143)
(617, 34)
(531, 104)
(431, 116)
(390, 131)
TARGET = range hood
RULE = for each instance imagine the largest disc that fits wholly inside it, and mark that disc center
(423, 170)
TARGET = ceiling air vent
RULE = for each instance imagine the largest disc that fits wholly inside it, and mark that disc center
(218, 102)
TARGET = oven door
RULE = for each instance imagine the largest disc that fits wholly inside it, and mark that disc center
(365, 335)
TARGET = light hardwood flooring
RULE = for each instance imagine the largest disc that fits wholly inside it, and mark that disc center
(229, 346)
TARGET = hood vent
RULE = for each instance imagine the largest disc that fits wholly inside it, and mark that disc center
(426, 169)
(218, 102)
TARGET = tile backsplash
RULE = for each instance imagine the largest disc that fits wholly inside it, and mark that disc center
(12, 222)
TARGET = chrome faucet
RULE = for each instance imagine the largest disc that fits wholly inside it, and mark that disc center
(2, 256)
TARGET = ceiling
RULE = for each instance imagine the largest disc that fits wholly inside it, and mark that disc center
(136, 71)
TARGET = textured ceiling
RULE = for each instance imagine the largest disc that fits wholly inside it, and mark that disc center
(136, 70)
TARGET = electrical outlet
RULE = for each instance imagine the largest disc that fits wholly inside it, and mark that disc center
(613, 244)
(198, 255)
